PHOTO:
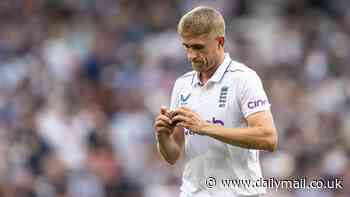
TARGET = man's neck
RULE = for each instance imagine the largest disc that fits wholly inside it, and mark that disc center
(205, 76)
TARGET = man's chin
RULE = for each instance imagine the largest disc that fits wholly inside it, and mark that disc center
(197, 67)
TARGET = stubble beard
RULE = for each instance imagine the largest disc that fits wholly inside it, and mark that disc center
(199, 66)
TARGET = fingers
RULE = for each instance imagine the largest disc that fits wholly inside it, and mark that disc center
(184, 111)
(172, 114)
(165, 119)
(187, 118)
(180, 118)
(181, 111)
(185, 108)
(183, 116)
(182, 124)
(165, 111)
(161, 124)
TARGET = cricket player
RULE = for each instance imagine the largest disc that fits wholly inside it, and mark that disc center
(219, 116)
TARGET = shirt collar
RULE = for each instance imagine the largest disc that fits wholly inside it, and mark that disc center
(219, 73)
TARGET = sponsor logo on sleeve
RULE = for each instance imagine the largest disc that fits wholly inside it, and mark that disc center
(257, 103)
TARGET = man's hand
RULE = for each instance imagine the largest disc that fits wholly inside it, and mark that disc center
(185, 117)
(163, 123)
(170, 139)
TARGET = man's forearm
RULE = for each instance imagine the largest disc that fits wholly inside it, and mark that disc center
(168, 149)
(250, 137)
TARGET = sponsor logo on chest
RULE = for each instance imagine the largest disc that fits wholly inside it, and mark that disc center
(213, 120)
(184, 98)
(223, 96)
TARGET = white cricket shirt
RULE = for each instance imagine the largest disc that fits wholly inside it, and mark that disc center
(230, 95)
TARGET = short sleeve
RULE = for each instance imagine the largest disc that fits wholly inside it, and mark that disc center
(252, 96)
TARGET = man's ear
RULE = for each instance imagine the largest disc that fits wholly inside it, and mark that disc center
(221, 40)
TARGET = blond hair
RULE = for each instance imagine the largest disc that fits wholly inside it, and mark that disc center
(200, 21)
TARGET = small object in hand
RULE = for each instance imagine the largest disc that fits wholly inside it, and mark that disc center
(172, 115)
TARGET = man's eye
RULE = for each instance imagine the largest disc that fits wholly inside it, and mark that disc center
(198, 47)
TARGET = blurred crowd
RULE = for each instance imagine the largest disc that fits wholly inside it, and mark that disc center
(81, 82)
